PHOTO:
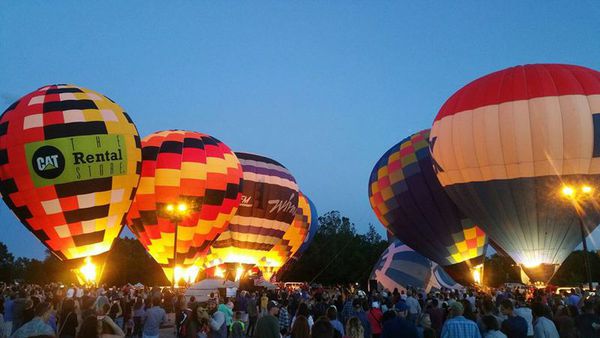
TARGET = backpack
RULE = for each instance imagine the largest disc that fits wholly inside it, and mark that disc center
(237, 329)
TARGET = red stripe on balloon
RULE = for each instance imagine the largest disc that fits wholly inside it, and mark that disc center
(522, 83)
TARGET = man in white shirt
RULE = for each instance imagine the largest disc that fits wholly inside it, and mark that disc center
(525, 312)
(471, 298)
(542, 326)
(414, 308)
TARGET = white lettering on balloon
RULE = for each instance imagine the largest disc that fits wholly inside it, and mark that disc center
(246, 201)
(283, 206)
(44, 162)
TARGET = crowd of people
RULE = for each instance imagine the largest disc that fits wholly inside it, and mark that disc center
(493, 313)
(56, 311)
(303, 312)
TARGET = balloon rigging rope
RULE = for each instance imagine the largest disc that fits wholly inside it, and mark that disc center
(331, 261)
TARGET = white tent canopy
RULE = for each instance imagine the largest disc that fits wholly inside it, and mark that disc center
(266, 284)
(204, 288)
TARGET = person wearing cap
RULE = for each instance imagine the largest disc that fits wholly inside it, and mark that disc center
(458, 326)
(267, 326)
(398, 326)
(218, 327)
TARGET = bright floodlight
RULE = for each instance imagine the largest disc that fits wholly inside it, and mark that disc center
(586, 189)
(568, 191)
(170, 207)
(182, 207)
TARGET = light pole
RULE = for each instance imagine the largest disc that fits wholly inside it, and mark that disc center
(175, 213)
(577, 196)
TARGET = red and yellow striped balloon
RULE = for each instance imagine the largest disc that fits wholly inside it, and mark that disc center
(191, 169)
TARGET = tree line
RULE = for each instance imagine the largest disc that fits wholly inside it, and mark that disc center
(337, 255)
(127, 262)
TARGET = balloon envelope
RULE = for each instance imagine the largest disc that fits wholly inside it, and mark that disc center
(410, 202)
(401, 267)
(69, 164)
(311, 216)
(291, 241)
(504, 146)
(295, 235)
(192, 169)
(268, 207)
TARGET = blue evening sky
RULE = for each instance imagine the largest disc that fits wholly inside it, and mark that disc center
(324, 87)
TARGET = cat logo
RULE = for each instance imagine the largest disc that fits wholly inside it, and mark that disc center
(48, 162)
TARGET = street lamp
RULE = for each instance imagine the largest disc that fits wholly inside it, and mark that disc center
(576, 196)
(176, 212)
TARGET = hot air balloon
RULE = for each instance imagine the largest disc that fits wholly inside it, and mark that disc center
(291, 241)
(267, 209)
(401, 267)
(188, 193)
(313, 227)
(506, 144)
(411, 203)
(69, 165)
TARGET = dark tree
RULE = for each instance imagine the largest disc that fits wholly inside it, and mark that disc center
(7, 261)
(337, 254)
(372, 236)
(127, 262)
(572, 271)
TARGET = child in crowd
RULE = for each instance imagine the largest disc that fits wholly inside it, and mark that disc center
(238, 328)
